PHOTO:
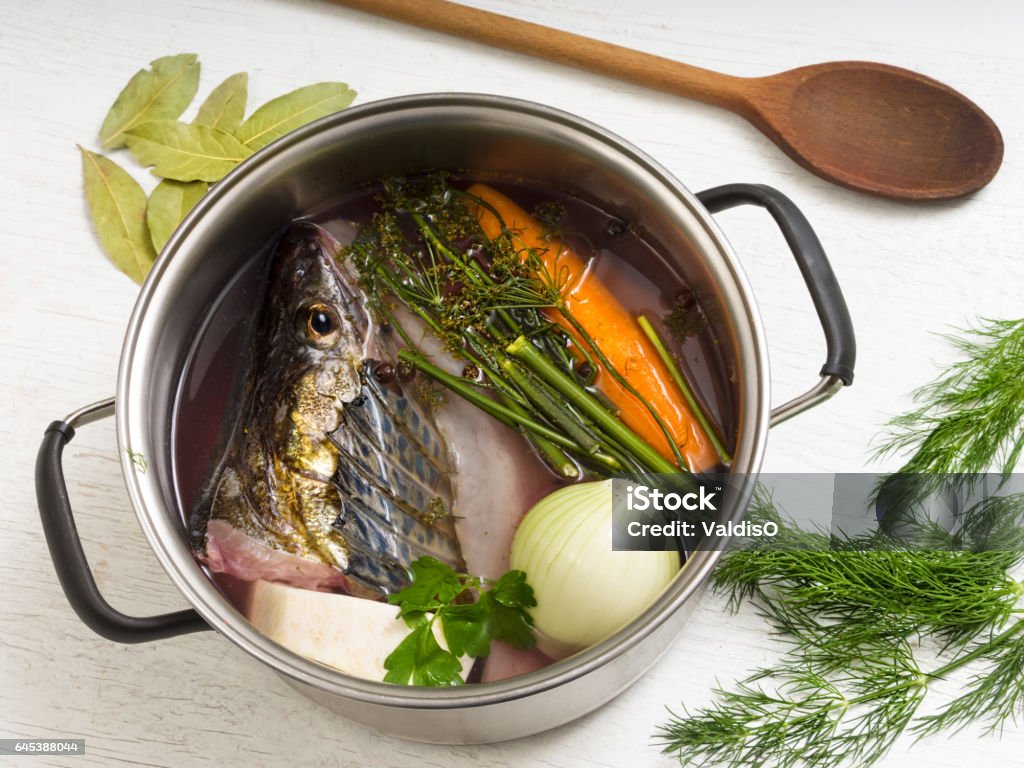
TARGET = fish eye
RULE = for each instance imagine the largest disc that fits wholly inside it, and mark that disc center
(320, 322)
(320, 325)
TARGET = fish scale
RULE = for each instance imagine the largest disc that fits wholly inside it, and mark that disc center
(390, 474)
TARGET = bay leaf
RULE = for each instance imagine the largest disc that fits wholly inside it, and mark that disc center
(286, 113)
(160, 93)
(224, 108)
(118, 207)
(168, 205)
(185, 152)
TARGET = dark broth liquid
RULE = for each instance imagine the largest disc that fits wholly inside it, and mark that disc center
(645, 282)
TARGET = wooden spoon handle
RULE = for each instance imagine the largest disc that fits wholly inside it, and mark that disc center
(563, 47)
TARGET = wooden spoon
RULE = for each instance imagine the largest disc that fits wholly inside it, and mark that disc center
(870, 127)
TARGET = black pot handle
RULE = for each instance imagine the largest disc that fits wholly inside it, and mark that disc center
(69, 557)
(821, 282)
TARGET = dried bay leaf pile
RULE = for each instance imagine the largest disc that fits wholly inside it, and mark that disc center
(187, 157)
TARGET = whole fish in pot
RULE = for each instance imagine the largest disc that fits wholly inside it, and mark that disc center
(335, 475)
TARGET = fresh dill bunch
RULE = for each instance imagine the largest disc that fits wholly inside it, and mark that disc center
(823, 587)
(969, 419)
(802, 717)
(838, 601)
(428, 268)
(851, 609)
(798, 714)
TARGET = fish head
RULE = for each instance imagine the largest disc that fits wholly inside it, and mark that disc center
(315, 330)
(326, 462)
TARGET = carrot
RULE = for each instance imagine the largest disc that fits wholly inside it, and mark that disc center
(614, 330)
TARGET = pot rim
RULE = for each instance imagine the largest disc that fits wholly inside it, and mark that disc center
(147, 500)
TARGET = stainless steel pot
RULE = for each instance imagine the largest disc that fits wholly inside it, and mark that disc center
(298, 175)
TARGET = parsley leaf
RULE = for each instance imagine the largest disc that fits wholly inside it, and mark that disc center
(419, 660)
(433, 584)
(465, 630)
(507, 605)
(440, 594)
(511, 590)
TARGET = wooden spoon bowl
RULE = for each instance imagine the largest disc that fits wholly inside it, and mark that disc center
(870, 127)
(878, 129)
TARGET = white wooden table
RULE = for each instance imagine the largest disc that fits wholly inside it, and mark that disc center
(908, 271)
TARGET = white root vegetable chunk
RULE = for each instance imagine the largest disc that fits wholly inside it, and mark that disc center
(350, 634)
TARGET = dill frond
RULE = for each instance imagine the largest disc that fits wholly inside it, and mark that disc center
(969, 419)
(850, 608)
(851, 611)
(803, 718)
(993, 697)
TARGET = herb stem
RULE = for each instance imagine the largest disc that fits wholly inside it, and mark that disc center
(677, 376)
(922, 681)
(547, 405)
(486, 349)
(522, 349)
(557, 459)
(978, 651)
(505, 415)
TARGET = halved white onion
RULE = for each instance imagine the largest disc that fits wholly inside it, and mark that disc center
(585, 590)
